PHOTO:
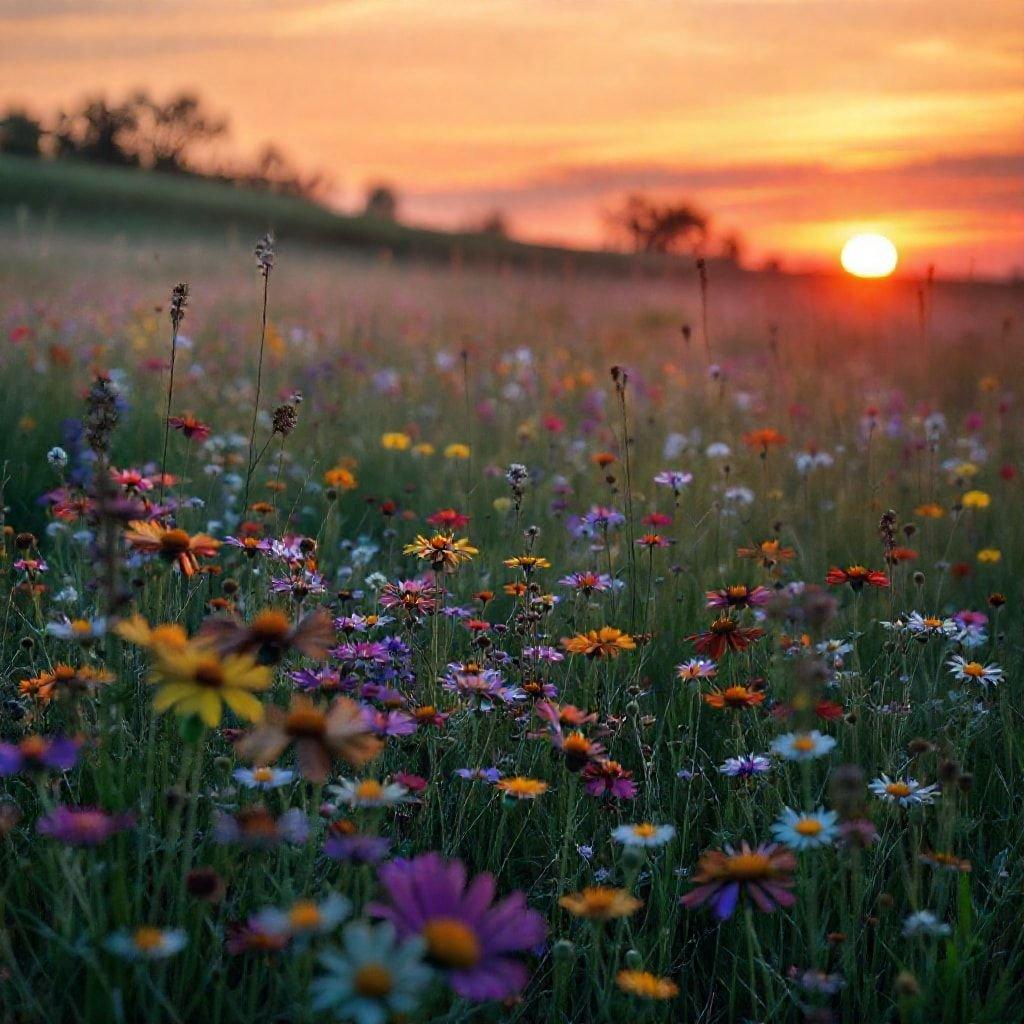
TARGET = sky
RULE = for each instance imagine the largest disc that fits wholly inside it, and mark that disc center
(795, 122)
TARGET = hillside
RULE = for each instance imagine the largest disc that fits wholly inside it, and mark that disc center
(138, 204)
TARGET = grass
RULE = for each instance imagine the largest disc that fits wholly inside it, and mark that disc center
(516, 368)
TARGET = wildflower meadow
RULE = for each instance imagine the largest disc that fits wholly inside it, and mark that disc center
(396, 642)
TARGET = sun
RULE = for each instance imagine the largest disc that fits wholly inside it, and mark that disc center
(869, 255)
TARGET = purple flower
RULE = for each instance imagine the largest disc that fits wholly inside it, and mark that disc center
(746, 766)
(82, 826)
(389, 723)
(38, 752)
(466, 936)
(488, 775)
(356, 848)
(673, 478)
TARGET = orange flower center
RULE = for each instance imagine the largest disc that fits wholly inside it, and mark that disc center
(808, 827)
(898, 789)
(451, 943)
(306, 722)
(174, 543)
(372, 981)
(747, 866)
(304, 915)
(369, 789)
(147, 939)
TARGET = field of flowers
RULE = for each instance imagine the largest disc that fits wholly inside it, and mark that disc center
(396, 643)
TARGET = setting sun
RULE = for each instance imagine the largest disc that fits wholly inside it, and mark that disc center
(869, 256)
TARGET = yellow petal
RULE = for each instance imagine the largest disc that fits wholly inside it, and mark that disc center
(244, 704)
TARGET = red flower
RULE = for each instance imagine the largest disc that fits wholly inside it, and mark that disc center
(856, 576)
(448, 519)
(725, 634)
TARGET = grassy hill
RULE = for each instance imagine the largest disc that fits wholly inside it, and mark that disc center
(138, 203)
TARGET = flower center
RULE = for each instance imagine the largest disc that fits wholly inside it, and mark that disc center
(147, 939)
(974, 668)
(747, 865)
(644, 831)
(451, 943)
(263, 774)
(803, 744)
(369, 789)
(372, 981)
(305, 722)
(898, 789)
(270, 625)
(304, 915)
(808, 827)
(174, 542)
(209, 672)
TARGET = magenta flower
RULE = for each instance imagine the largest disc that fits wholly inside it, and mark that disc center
(466, 936)
(608, 779)
(38, 752)
(82, 826)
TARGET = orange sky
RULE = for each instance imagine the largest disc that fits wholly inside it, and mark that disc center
(796, 121)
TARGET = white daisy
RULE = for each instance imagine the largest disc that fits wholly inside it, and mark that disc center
(147, 943)
(802, 746)
(263, 778)
(965, 671)
(801, 831)
(645, 834)
(905, 792)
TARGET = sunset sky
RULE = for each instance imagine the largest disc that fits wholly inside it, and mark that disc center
(797, 122)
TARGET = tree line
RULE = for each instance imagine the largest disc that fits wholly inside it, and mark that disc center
(140, 131)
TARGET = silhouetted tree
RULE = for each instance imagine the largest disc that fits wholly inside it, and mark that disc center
(654, 227)
(20, 134)
(732, 247)
(98, 131)
(494, 224)
(166, 134)
(381, 202)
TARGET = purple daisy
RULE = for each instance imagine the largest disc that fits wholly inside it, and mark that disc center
(82, 826)
(465, 934)
(58, 752)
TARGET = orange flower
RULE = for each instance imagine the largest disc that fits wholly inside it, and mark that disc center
(734, 697)
(172, 545)
(763, 439)
(606, 642)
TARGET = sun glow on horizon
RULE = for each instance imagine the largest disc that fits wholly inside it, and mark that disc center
(869, 255)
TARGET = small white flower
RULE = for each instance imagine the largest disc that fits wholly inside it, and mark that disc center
(645, 834)
(965, 671)
(802, 746)
(924, 922)
(905, 792)
(806, 831)
(263, 778)
(57, 457)
(147, 943)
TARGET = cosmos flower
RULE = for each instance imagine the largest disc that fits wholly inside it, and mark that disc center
(764, 873)
(415, 597)
(769, 553)
(745, 766)
(197, 681)
(645, 835)
(600, 903)
(372, 978)
(442, 551)
(696, 669)
(802, 746)
(965, 671)
(906, 792)
(255, 827)
(857, 577)
(521, 788)
(320, 737)
(190, 427)
(738, 596)
(37, 753)
(82, 826)
(263, 777)
(606, 642)
(734, 698)
(466, 937)
(304, 917)
(609, 780)
(645, 985)
(147, 943)
(805, 831)
(271, 635)
(725, 634)
(588, 582)
(172, 545)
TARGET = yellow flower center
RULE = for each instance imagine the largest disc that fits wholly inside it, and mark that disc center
(808, 826)
(369, 789)
(147, 939)
(81, 627)
(263, 774)
(304, 915)
(804, 744)
(305, 721)
(747, 865)
(372, 981)
(898, 789)
(451, 943)
(974, 668)
(645, 831)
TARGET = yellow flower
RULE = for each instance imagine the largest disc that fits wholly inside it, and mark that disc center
(976, 499)
(457, 451)
(195, 680)
(443, 551)
(138, 631)
(423, 449)
(395, 441)
(502, 504)
(965, 469)
(646, 985)
(930, 510)
(527, 563)
(989, 556)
